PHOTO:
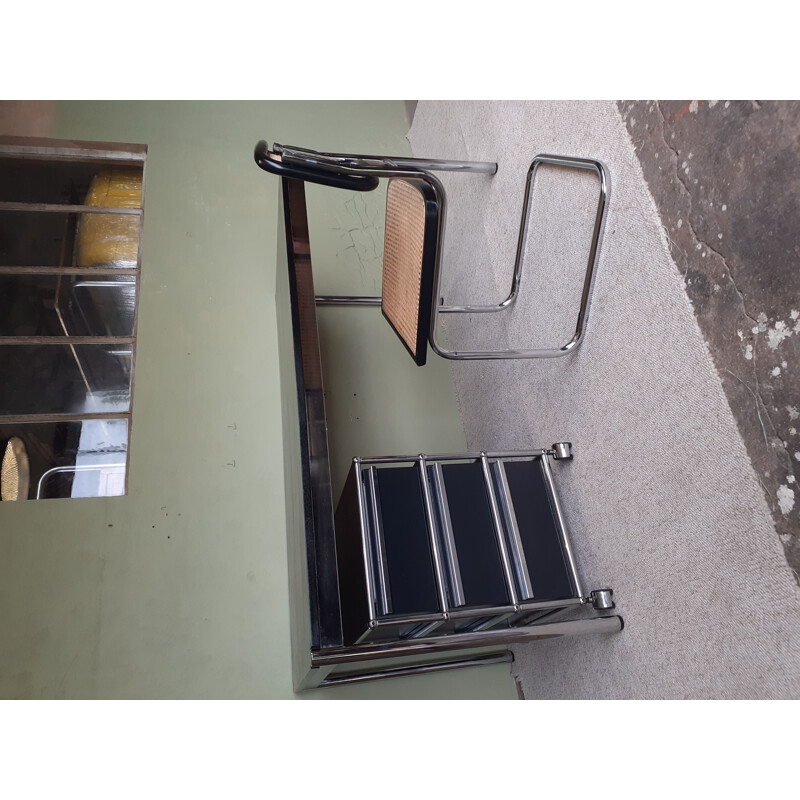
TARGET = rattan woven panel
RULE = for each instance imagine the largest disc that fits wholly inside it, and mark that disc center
(402, 259)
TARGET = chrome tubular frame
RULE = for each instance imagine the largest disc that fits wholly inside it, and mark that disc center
(365, 547)
(588, 281)
(359, 163)
(562, 526)
(498, 528)
(458, 641)
(468, 456)
(399, 166)
(346, 300)
(515, 542)
(438, 558)
(448, 543)
(469, 621)
(504, 657)
(382, 592)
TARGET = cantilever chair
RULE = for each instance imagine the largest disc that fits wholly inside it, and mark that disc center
(416, 210)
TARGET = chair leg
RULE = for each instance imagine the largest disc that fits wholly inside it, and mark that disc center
(487, 309)
(583, 312)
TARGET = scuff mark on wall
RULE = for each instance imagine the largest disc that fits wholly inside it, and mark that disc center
(361, 239)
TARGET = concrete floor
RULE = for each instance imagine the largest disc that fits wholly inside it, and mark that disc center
(724, 176)
(662, 501)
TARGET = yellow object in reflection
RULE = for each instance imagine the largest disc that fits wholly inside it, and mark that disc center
(15, 473)
(111, 239)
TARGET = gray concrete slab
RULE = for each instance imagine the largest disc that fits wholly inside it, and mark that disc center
(725, 176)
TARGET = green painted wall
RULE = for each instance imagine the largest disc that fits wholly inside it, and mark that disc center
(179, 590)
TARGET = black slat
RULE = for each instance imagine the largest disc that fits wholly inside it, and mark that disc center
(547, 566)
(412, 579)
(482, 575)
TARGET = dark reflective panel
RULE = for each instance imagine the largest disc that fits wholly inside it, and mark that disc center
(37, 239)
(66, 305)
(34, 180)
(66, 239)
(55, 379)
(71, 459)
(105, 306)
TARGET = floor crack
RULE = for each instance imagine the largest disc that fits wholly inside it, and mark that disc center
(728, 269)
(700, 241)
(758, 400)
